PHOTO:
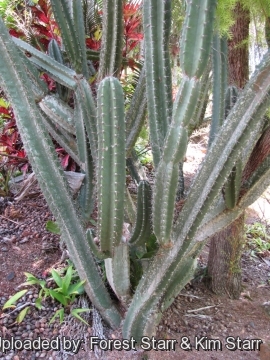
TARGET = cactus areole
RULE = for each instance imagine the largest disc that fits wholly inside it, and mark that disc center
(149, 255)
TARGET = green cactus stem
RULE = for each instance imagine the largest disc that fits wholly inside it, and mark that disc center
(203, 99)
(118, 272)
(157, 22)
(69, 17)
(220, 82)
(57, 71)
(86, 195)
(135, 115)
(93, 246)
(242, 121)
(64, 139)
(195, 40)
(55, 52)
(39, 87)
(130, 207)
(232, 186)
(111, 170)
(86, 100)
(112, 32)
(200, 18)
(143, 226)
(58, 112)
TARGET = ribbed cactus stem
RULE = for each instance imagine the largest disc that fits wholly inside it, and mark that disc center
(60, 113)
(64, 139)
(111, 170)
(86, 195)
(205, 189)
(56, 70)
(184, 107)
(118, 272)
(195, 41)
(135, 115)
(70, 21)
(112, 31)
(156, 22)
(39, 87)
(143, 226)
(232, 186)
(86, 100)
(55, 52)
(220, 83)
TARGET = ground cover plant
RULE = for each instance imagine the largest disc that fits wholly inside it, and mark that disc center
(99, 136)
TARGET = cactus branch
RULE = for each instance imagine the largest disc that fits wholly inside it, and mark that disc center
(156, 22)
(57, 71)
(110, 164)
(112, 30)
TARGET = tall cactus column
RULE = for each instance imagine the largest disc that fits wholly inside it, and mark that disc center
(194, 54)
(170, 271)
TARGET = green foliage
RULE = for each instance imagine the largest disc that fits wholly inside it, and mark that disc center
(10, 303)
(52, 227)
(5, 176)
(142, 148)
(7, 10)
(259, 9)
(225, 16)
(258, 239)
(67, 287)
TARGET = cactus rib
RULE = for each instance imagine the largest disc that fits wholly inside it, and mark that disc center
(58, 112)
(57, 71)
(86, 100)
(55, 52)
(195, 39)
(70, 20)
(136, 113)
(143, 227)
(118, 272)
(112, 30)
(219, 60)
(86, 195)
(110, 163)
(156, 22)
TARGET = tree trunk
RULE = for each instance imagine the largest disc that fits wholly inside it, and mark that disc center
(238, 57)
(224, 261)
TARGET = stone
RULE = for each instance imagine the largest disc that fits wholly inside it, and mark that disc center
(11, 276)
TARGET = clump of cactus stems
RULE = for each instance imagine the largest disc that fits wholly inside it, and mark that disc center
(99, 135)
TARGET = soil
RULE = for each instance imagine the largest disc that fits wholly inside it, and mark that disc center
(196, 314)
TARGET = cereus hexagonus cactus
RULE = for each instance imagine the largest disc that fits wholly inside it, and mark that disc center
(152, 259)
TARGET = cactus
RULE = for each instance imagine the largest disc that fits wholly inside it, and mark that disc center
(220, 81)
(99, 134)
